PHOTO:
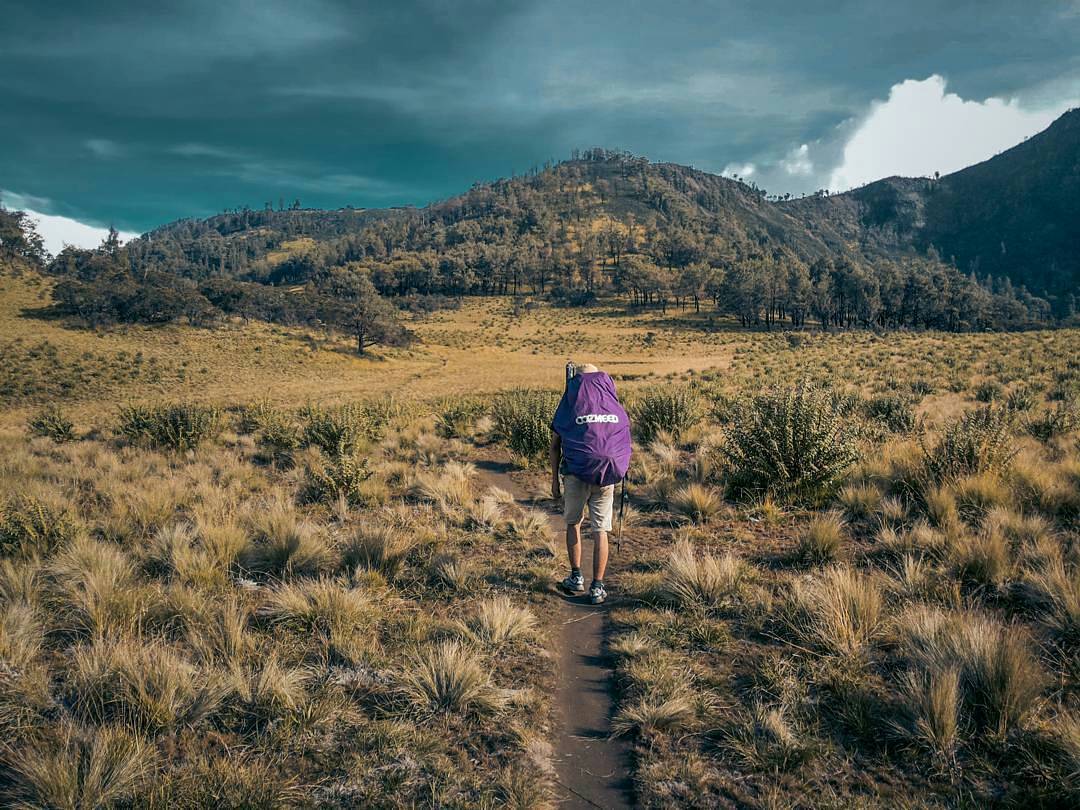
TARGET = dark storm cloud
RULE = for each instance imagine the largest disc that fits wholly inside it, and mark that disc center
(138, 113)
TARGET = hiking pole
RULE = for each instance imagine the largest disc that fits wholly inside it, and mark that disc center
(619, 523)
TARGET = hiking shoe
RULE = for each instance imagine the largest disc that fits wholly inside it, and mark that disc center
(597, 594)
(575, 583)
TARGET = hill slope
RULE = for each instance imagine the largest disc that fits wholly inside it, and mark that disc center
(1015, 215)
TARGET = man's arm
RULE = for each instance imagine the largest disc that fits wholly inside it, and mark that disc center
(555, 455)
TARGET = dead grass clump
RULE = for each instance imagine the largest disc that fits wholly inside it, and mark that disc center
(841, 612)
(266, 690)
(449, 488)
(981, 557)
(94, 586)
(453, 573)
(767, 740)
(448, 677)
(859, 501)
(74, 768)
(1059, 586)
(696, 502)
(697, 582)
(378, 548)
(341, 617)
(650, 717)
(283, 543)
(931, 709)
(823, 539)
(148, 687)
(1000, 677)
(499, 620)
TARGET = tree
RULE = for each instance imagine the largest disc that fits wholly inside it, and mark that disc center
(19, 238)
(352, 303)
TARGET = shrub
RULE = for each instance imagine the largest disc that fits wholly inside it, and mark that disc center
(51, 423)
(894, 412)
(670, 410)
(522, 420)
(792, 442)
(339, 478)
(458, 417)
(988, 391)
(29, 524)
(334, 430)
(176, 426)
(1021, 398)
(979, 441)
(1058, 421)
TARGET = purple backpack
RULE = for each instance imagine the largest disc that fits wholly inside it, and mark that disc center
(594, 428)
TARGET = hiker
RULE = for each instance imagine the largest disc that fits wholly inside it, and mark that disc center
(590, 448)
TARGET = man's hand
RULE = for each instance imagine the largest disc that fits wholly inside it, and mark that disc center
(556, 492)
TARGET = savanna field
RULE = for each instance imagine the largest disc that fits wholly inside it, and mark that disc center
(245, 567)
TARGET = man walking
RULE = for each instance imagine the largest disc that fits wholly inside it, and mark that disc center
(590, 451)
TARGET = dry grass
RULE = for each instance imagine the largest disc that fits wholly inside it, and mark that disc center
(448, 677)
(693, 581)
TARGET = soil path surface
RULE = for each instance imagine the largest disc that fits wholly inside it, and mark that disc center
(592, 769)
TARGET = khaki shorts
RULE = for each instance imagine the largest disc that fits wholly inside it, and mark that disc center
(577, 493)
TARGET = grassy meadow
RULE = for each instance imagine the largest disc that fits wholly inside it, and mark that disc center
(243, 567)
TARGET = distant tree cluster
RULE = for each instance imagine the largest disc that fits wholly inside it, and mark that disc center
(605, 224)
(103, 287)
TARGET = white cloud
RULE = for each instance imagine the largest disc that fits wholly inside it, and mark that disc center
(921, 129)
(798, 161)
(737, 170)
(104, 148)
(58, 231)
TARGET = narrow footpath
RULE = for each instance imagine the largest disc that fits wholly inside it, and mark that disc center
(592, 769)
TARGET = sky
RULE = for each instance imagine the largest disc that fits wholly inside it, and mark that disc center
(133, 114)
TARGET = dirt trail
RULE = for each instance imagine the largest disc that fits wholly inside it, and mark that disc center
(592, 769)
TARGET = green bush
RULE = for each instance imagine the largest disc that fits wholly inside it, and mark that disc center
(279, 437)
(1063, 418)
(349, 425)
(895, 413)
(523, 418)
(458, 417)
(669, 409)
(340, 477)
(791, 442)
(176, 426)
(989, 391)
(51, 423)
(979, 441)
(31, 525)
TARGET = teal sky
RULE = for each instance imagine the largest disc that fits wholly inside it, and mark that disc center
(139, 113)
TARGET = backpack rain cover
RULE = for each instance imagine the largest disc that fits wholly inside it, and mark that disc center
(594, 428)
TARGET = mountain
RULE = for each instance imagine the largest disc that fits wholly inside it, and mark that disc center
(1016, 215)
(995, 245)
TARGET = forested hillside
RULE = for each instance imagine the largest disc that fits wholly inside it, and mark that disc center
(994, 246)
(1016, 215)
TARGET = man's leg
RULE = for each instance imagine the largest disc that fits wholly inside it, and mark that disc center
(573, 545)
(599, 555)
